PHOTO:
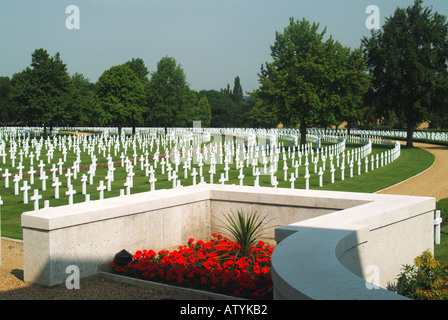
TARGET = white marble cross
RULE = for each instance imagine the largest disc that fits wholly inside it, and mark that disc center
(16, 184)
(56, 184)
(437, 223)
(292, 180)
(31, 173)
(194, 174)
(6, 175)
(70, 192)
(174, 178)
(222, 179)
(25, 189)
(60, 163)
(84, 180)
(153, 180)
(41, 165)
(320, 177)
(44, 178)
(20, 168)
(108, 178)
(53, 172)
(36, 197)
(332, 170)
(101, 189)
(241, 176)
(69, 175)
(307, 179)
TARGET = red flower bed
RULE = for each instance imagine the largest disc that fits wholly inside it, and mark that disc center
(213, 266)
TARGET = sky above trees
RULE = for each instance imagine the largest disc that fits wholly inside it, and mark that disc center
(213, 40)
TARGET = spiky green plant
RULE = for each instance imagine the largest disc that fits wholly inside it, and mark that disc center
(244, 228)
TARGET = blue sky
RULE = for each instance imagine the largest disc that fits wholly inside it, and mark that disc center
(213, 40)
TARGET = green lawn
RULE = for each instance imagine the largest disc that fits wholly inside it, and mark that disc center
(411, 162)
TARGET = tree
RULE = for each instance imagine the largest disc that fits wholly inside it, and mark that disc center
(119, 96)
(237, 93)
(408, 59)
(7, 107)
(221, 105)
(349, 85)
(296, 82)
(257, 113)
(41, 91)
(82, 101)
(170, 99)
(137, 65)
(203, 112)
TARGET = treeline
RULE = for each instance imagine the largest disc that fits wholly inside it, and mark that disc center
(44, 94)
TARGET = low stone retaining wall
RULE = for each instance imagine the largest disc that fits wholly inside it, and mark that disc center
(320, 232)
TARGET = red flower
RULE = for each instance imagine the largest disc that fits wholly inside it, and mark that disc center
(214, 265)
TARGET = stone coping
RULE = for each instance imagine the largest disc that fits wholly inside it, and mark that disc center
(87, 212)
(306, 263)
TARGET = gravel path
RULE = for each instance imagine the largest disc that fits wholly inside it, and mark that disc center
(432, 183)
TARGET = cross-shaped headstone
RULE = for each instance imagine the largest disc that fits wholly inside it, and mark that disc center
(41, 166)
(25, 189)
(241, 176)
(60, 163)
(222, 179)
(152, 181)
(437, 223)
(16, 184)
(20, 168)
(56, 184)
(69, 175)
(307, 179)
(36, 197)
(320, 177)
(194, 174)
(127, 184)
(84, 180)
(44, 178)
(6, 175)
(70, 192)
(174, 178)
(292, 180)
(332, 170)
(101, 189)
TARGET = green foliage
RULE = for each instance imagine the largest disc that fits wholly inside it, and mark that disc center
(203, 112)
(119, 97)
(425, 280)
(310, 81)
(408, 60)
(7, 107)
(41, 92)
(82, 98)
(170, 100)
(244, 228)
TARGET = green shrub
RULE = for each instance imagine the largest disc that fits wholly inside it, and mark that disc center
(426, 280)
(244, 228)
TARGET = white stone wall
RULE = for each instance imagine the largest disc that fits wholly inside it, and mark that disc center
(326, 242)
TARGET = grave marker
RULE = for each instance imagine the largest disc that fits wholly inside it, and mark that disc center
(36, 197)
(25, 189)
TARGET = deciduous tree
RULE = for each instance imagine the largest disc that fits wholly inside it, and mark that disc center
(408, 59)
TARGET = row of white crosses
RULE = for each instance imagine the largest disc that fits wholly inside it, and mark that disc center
(187, 157)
